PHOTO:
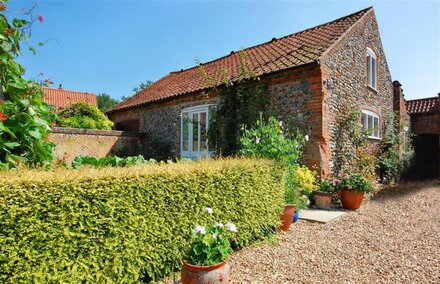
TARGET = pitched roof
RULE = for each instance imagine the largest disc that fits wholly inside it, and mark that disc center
(60, 98)
(278, 54)
(425, 105)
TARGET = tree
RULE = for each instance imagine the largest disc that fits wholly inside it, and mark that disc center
(83, 115)
(138, 89)
(105, 102)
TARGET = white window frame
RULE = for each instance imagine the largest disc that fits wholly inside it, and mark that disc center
(371, 72)
(375, 133)
(190, 153)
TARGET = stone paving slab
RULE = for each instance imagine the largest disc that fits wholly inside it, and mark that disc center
(317, 215)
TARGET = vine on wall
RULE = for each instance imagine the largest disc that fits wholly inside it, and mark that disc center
(241, 103)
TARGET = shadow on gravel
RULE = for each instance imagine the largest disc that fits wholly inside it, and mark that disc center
(402, 190)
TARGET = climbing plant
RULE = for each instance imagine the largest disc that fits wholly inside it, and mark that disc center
(24, 117)
(350, 143)
(240, 103)
(396, 152)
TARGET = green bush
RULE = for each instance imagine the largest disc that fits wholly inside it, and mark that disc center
(24, 117)
(126, 225)
(270, 140)
(83, 115)
(112, 161)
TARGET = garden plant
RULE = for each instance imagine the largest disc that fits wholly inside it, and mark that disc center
(24, 117)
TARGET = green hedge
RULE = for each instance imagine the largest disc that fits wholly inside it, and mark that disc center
(126, 225)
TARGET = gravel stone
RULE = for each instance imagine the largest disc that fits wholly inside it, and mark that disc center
(393, 238)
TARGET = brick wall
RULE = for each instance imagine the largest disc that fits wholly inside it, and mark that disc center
(426, 123)
(296, 95)
(346, 65)
(71, 142)
(162, 121)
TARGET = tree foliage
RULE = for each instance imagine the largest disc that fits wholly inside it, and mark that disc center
(105, 102)
(137, 89)
(83, 115)
(24, 117)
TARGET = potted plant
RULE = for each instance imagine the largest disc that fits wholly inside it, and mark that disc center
(353, 188)
(206, 259)
(323, 196)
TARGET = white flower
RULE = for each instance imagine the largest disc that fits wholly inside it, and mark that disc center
(199, 229)
(281, 124)
(306, 137)
(231, 227)
(257, 139)
(209, 210)
(219, 225)
(214, 236)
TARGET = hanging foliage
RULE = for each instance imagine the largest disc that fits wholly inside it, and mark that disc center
(24, 117)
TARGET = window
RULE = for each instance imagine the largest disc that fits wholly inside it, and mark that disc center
(370, 123)
(371, 68)
(194, 132)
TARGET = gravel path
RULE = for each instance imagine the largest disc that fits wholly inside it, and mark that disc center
(393, 238)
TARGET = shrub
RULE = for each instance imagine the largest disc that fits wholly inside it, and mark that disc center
(270, 141)
(83, 115)
(305, 179)
(112, 161)
(24, 117)
(126, 225)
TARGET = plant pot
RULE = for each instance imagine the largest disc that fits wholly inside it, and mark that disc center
(323, 200)
(195, 274)
(287, 217)
(351, 199)
(295, 217)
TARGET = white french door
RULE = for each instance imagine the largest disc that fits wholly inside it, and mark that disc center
(194, 132)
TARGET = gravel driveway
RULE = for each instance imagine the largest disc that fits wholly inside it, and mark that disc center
(393, 238)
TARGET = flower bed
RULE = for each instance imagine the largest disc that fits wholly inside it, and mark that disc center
(126, 225)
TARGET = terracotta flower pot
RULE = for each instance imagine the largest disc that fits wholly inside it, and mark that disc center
(287, 217)
(323, 199)
(351, 199)
(194, 274)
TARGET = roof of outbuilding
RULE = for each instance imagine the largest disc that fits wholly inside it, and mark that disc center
(425, 105)
(278, 54)
(61, 98)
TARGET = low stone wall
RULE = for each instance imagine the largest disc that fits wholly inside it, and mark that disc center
(71, 142)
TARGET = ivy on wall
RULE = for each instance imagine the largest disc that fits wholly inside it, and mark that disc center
(241, 103)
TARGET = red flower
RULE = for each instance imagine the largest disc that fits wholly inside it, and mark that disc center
(3, 116)
(40, 18)
(2, 7)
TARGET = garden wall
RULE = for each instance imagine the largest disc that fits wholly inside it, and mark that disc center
(71, 142)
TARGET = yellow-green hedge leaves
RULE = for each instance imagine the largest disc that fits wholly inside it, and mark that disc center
(127, 225)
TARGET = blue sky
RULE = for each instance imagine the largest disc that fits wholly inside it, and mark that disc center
(112, 46)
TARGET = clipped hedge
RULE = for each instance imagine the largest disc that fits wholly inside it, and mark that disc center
(127, 225)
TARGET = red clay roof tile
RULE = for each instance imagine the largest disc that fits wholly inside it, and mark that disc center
(278, 54)
(424, 105)
(61, 98)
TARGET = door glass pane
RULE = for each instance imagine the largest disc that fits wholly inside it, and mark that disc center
(203, 134)
(185, 132)
(370, 124)
(195, 137)
(376, 127)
